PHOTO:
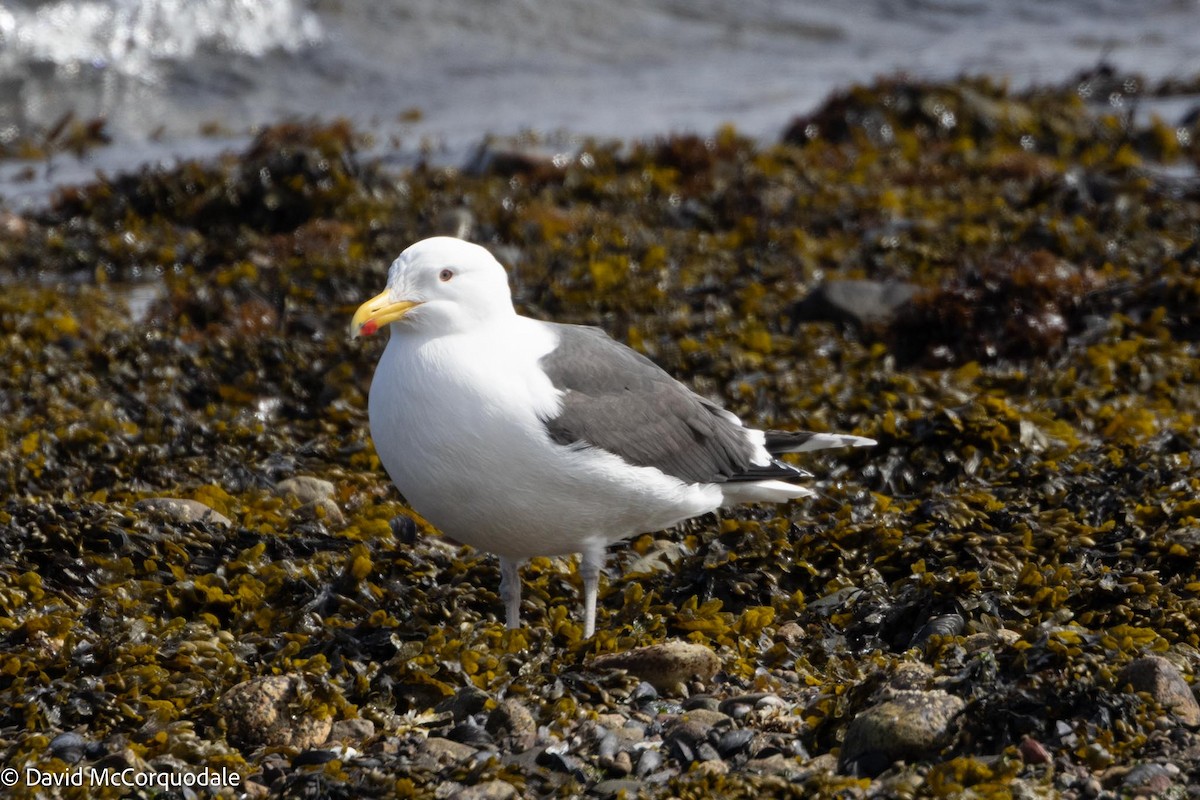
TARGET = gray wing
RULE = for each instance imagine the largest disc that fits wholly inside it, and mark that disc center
(618, 400)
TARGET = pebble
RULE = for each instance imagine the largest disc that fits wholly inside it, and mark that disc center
(352, 730)
(631, 733)
(182, 510)
(790, 634)
(437, 752)
(711, 719)
(988, 640)
(1163, 681)
(306, 488)
(824, 764)
(711, 767)
(667, 666)
(776, 764)
(704, 701)
(254, 790)
(511, 724)
(323, 510)
(910, 724)
(490, 790)
(911, 675)
(610, 720)
(608, 746)
(270, 712)
(644, 693)
(617, 787)
(1033, 752)
(1150, 780)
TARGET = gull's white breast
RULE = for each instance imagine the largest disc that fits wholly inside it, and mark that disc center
(458, 422)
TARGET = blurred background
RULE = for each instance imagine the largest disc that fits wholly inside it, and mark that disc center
(175, 78)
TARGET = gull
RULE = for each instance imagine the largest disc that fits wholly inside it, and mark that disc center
(527, 438)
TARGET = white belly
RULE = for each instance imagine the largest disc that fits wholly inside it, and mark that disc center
(457, 423)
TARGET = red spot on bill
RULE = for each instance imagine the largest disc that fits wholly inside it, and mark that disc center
(369, 327)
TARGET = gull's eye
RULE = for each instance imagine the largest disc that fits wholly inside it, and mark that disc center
(445, 275)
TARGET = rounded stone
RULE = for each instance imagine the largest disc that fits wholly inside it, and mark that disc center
(270, 712)
(489, 790)
(910, 724)
(306, 488)
(182, 510)
(1163, 681)
(667, 666)
(323, 510)
(512, 721)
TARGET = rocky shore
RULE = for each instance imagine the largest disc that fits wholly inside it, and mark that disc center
(203, 566)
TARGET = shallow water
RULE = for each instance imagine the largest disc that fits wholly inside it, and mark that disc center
(434, 76)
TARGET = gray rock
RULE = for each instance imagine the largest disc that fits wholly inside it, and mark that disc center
(667, 666)
(607, 747)
(705, 701)
(776, 764)
(437, 752)
(617, 787)
(512, 724)
(323, 510)
(306, 488)
(790, 634)
(910, 724)
(990, 640)
(181, 510)
(1162, 680)
(1148, 780)
(254, 790)
(865, 304)
(352, 730)
(632, 732)
(911, 675)
(490, 790)
(270, 712)
(710, 767)
(710, 719)
(824, 764)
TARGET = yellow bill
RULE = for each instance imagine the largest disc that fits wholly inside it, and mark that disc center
(377, 312)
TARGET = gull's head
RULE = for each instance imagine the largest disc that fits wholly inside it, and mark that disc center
(440, 285)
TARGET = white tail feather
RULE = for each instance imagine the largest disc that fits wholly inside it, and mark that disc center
(824, 441)
(761, 492)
